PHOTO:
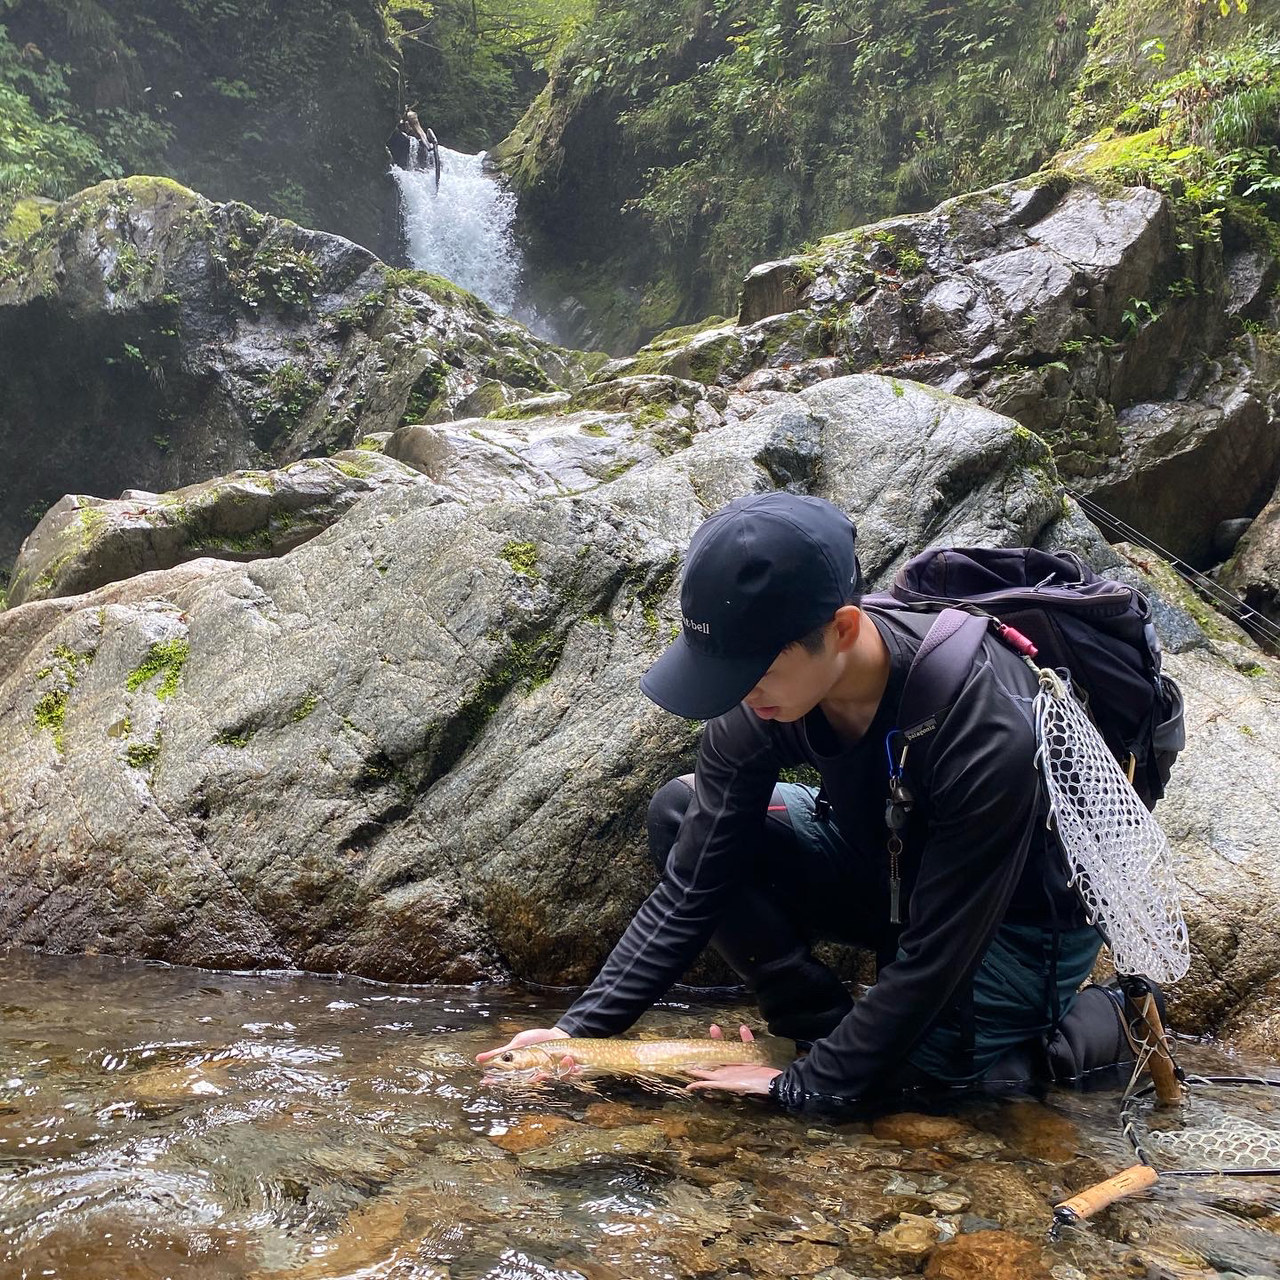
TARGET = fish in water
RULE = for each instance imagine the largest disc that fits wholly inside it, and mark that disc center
(638, 1057)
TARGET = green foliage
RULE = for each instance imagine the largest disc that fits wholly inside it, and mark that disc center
(132, 271)
(43, 150)
(1138, 313)
(274, 104)
(290, 392)
(262, 267)
(756, 125)
(471, 66)
(1210, 136)
(51, 714)
(425, 391)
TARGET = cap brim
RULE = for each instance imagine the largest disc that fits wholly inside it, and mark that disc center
(697, 686)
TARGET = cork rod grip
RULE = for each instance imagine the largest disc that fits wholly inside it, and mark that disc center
(1088, 1202)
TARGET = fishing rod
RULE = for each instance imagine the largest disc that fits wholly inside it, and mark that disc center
(1243, 615)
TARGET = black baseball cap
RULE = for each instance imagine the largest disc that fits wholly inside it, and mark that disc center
(761, 573)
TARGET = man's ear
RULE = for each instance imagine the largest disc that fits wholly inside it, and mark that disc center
(848, 624)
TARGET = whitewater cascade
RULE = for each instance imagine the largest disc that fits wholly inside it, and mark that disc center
(463, 231)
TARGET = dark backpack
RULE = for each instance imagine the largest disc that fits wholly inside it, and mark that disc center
(1097, 629)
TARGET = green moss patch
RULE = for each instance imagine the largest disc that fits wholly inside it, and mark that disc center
(167, 657)
(523, 558)
(51, 709)
(51, 714)
(437, 287)
(305, 708)
(141, 755)
(26, 217)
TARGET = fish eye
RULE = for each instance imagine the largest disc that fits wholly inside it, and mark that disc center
(508, 1057)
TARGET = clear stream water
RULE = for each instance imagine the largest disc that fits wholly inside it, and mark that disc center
(167, 1122)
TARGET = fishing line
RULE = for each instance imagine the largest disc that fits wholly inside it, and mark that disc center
(1242, 614)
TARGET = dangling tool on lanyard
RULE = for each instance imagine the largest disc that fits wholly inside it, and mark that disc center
(897, 811)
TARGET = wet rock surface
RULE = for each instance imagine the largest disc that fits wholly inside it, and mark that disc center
(1076, 310)
(84, 542)
(1253, 572)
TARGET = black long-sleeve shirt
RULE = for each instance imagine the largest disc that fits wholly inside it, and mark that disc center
(974, 855)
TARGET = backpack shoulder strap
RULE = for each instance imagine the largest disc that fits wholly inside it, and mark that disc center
(938, 671)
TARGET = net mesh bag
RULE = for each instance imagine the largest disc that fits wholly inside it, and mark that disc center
(1224, 1126)
(1119, 859)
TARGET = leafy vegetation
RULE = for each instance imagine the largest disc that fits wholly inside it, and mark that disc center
(1210, 136)
(754, 126)
(274, 104)
(748, 128)
(41, 147)
(472, 66)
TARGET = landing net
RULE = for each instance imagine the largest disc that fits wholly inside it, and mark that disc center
(1226, 1124)
(1119, 859)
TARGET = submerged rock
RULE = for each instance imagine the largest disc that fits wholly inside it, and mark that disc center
(583, 1145)
(987, 1255)
(531, 1132)
(912, 1129)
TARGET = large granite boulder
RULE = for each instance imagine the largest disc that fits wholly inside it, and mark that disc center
(415, 747)
(152, 339)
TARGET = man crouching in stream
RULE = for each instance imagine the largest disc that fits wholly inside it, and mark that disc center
(980, 942)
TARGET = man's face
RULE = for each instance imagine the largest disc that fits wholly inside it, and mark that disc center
(796, 681)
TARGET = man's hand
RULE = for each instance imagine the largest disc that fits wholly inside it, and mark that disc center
(536, 1036)
(522, 1038)
(737, 1078)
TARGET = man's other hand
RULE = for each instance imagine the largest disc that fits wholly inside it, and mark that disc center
(740, 1077)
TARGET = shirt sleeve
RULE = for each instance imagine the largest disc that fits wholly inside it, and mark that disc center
(982, 790)
(736, 770)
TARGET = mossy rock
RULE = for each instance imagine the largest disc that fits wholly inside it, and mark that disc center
(26, 217)
(702, 359)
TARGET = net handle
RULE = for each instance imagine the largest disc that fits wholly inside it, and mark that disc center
(1168, 1089)
(1164, 1074)
(1140, 1177)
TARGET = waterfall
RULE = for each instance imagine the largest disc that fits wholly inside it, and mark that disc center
(463, 231)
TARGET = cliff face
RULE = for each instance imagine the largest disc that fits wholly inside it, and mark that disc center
(654, 169)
